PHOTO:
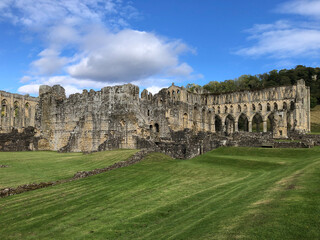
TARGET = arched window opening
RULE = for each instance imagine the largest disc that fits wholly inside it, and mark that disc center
(27, 110)
(218, 123)
(260, 107)
(285, 107)
(270, 123)
(229, 123)
(231, 109)
(268, 107)
(292, 106)
(225, 109)
(275, 107)
(148, 112)
(239, 108)
(4, 108)
(245, 108)
(178, 91)
(16, 109)
(257, 123)
(151, 128)
(243, 123)
(218, 110)
(196, 119)
(157, 127)
(203, 119)
(168, 93)
(253, 107)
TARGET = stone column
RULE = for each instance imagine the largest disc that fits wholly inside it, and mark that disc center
(236, 126)
(250, 126)
(265, 126)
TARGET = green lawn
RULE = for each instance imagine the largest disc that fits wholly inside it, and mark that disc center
(228, 193)
(29, 167)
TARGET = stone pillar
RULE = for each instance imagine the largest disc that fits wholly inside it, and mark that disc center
(265, 126)
(250, 126)
(236, 126)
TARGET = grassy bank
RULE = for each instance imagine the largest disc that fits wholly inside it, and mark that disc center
(228, 193)
(29, 167)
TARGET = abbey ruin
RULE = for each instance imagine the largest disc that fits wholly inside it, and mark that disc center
(175, 121)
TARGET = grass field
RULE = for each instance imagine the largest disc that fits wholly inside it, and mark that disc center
(29, 167)
(228, 193)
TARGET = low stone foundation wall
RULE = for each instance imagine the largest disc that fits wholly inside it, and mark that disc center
(19, 141)
(137, 157)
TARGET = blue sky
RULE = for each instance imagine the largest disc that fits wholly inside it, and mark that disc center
(84, 44)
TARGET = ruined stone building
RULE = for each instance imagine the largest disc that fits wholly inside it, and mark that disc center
(174, 120)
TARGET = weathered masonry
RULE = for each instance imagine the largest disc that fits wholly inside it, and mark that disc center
(17, 111)
(175, 120)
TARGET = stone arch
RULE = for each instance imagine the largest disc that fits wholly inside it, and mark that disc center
(275, 106)
(270, 122)
(16, 114)
(203, 119)
(268, 107)
(185, 120)
(157, 127)
(196, 118)
(257, 123)
(253, 107)
(27, 113)
(284, 106)
(4, 108)
(239, 108)
(218, 123)
(209, 119)
(243, 123)
(292, 106)
(230, 124)
(245, 108)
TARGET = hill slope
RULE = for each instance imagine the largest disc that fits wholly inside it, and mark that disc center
(228, 193)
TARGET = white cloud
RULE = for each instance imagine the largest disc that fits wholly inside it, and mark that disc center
(284, 43)
(88, 44)
(286, 39)
(302, 7)
(154, 89)
(128, 56)
(29, 89)
(43, 13)
(50, 62)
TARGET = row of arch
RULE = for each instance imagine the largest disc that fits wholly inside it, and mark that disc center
(18, 114)
(230, 123)
(254, 108)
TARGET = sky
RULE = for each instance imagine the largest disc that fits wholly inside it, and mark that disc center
(90, 44)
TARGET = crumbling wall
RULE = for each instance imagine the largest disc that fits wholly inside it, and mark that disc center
(174, 121)
(19, 141)
(17, 111)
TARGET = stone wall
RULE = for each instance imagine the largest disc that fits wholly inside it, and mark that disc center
(19, 141)
(175, 121)
(17, 111)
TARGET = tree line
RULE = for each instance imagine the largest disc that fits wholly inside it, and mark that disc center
(273, 78)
